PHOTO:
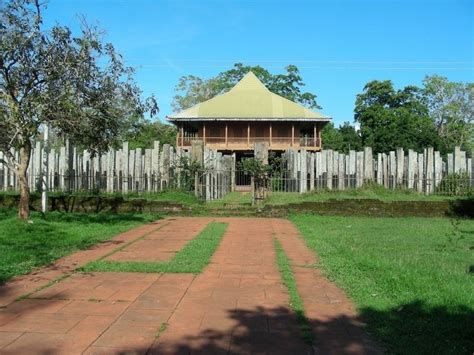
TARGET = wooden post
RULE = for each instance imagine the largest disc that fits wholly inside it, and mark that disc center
(271, 134)
(314, 136)
(177, 137)
(226, 142)
(182, 136)
(319, 136)
(248, 134)
(292, 134)
(204, 133)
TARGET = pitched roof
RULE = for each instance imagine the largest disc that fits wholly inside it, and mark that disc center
(249, 99)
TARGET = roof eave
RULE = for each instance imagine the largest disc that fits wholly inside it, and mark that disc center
(273, 119)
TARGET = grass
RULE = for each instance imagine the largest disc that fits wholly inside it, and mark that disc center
(25, 246)
(232, 199)
(193, 258)
(295, 300)
(243, 199)
(411, 278)
(372, 192)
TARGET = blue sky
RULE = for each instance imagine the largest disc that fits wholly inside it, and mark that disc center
(338, 45)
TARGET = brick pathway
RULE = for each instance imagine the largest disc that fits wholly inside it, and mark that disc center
(237, 305)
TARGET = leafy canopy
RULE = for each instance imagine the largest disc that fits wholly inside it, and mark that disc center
(392, 118)
(78, 85)
(341, 139)
(451, 107)
(192, 90)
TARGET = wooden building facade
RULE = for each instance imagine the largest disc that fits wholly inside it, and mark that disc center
(249, 113)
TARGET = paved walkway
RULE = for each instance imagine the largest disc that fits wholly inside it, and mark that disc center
(237, 305)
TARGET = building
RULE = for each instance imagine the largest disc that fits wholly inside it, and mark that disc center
(249, 113)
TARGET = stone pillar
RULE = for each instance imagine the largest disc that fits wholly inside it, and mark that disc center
(368, 165)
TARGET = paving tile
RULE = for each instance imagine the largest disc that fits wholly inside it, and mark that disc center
(46, 323)
(237, 305)
(124, 336)
(7, 338)
(98, 308)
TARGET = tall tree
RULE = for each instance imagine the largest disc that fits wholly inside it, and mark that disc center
(143, 132)
(392, 118)
(451, 107)
(192, 90)
(50, 77)
(341, 139)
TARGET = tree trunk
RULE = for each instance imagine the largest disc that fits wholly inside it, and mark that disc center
(24, 206)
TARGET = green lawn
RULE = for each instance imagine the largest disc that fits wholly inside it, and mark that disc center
(193, 258)
(409, 277)
(27, 245)
(378, 193)
(244, 199)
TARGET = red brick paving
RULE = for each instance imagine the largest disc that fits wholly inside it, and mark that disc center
(162, 244)
(39, 278)
(333, 317)
(237, 305)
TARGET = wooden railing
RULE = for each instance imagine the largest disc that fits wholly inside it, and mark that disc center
(309, 142)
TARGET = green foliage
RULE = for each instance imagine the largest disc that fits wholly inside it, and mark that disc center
(341, 139)
(391, 118)
(79, 86)
(193, 258)
(192, 90)
(455, 184)
(141, 133)
(76, 85)
(25, 246)
(295, 301)
(451, 107)
(413, 294)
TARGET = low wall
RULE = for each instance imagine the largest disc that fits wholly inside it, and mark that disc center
(349, 207)
(377, 208)
(96, 204)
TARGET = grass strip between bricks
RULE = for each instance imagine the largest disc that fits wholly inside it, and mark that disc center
(193, 258)
(295, 300)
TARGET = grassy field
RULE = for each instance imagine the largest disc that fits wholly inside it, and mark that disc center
(27, 245)
(193, 258)
(411, 278)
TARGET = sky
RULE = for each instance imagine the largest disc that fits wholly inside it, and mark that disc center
(338, 46)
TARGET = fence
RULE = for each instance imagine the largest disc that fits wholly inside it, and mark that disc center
(426, 172)
(161, 168)
(124, 170)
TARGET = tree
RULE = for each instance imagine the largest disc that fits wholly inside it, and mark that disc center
(341, 139)
(451, 107)
(192, 90)
(331, 137)
(392, 118)
(143, 132)
(53, 78)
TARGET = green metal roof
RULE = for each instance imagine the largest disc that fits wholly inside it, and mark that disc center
(248, 99)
